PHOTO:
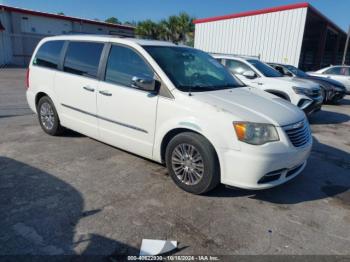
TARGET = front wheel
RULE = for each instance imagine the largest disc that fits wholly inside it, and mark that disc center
(192, 163)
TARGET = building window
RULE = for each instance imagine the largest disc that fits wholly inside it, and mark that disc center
(25, 18)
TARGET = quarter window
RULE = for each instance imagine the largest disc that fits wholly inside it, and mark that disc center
(124, 63)
(83, 58)
(48, 54)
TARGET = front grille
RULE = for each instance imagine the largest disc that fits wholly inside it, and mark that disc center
(299, 134)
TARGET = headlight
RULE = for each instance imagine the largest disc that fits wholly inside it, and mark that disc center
(255, 133)
(301, 90)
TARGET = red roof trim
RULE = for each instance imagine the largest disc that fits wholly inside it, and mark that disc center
(250, 13)
(63, 17)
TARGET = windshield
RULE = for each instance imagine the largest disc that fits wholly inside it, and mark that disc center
(265, 69)
(191, 69)
(296, 71)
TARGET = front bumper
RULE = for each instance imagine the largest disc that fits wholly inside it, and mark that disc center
(273, 164)
(337, 95)
(314, 106)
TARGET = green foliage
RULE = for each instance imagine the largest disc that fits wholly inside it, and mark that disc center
(113, 20)
(177, 29)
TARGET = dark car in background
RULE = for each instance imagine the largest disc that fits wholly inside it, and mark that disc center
(332, 90)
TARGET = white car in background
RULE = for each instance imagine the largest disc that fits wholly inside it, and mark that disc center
(340, 73)
(173, 104)
(303, 93)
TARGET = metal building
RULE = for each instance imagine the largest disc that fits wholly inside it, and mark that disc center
(296, 34)
(22, 29)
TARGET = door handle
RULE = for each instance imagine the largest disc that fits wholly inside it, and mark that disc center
(90, 89)
(105, 93)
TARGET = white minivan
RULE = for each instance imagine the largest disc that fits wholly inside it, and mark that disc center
(173, 104)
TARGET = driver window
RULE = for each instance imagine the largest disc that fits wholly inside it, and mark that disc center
(123, 64)
(237, 67)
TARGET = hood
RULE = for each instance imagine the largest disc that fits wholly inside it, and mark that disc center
(299, 82)
(252, 104)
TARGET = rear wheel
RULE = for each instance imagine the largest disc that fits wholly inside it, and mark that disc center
(48, 117)
(192, 163)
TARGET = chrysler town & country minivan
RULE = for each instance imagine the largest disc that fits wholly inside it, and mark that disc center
(173, 104)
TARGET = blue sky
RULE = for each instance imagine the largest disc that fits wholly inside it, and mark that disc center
(128, 10)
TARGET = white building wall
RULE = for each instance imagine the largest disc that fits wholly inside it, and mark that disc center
(275, 37)
(24, 31)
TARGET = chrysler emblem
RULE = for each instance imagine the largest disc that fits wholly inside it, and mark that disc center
(297, 125)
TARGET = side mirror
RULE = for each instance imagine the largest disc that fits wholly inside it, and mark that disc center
(288, 74)
(144, 83)
(249, 74)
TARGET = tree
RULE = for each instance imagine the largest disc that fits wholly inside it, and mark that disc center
(131, 23)
(60, 13)
(147, 29)
(178, 29)
(112, 20)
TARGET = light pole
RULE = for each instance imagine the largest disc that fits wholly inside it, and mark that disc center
(346, 47)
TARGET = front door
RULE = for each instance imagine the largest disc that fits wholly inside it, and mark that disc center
(126, 115)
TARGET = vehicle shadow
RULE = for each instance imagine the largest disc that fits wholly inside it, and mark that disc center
(345, 101)
(326, 175)
(328, 117)
(39, 213)
(71, 133)
(14, 115)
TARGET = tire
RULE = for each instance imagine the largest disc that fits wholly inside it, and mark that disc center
(48, 117)
(204, 161)
(324, 95)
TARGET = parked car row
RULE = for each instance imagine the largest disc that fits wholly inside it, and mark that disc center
(332, 90)
(209, 120)
(251, 71)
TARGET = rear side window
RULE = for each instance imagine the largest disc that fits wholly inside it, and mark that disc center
(124, 63)
(82, 58)
(333, 71)
(48, 54)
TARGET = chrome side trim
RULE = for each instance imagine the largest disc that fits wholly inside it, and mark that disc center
(106, 119)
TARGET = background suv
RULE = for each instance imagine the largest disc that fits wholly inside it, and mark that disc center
(251, 71)
(332, 90)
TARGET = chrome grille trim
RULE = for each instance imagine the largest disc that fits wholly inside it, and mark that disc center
(299, 134)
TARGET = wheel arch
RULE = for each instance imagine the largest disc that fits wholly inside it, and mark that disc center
(38, 96)
(174, 132)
